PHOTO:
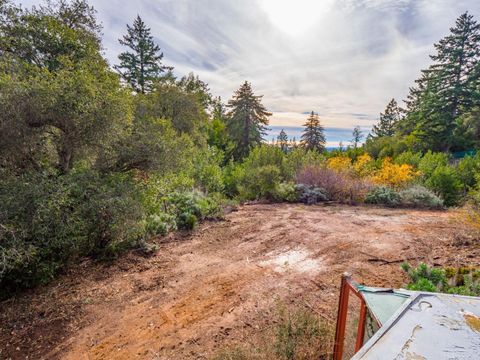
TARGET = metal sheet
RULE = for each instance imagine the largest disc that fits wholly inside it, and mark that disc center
(429, 326)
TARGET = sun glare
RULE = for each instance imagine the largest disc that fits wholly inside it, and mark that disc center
(295, 17)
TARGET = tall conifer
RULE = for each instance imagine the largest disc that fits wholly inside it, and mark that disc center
(313, 137)
(247, 120)
(141, 67)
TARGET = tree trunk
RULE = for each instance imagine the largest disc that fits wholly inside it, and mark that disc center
(65, 155)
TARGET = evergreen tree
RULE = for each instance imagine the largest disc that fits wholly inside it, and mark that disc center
(388, 121)
(447, 90)
(293, 143)
(313, 137)
(282, 141)
(247, 120)
(143, 66)
(357, 136)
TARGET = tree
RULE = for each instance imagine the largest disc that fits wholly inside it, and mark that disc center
(388, 121)
(183, 109)
(247, 120)
(357, 136)
(313, 137)
(282, 141)
(447, 90)
(192, 84)
(63, 108)
(46, 36)
(143, 66)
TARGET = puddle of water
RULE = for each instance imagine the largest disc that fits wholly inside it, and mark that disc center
(296, 260)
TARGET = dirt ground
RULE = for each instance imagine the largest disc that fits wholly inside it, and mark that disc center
(215, 287)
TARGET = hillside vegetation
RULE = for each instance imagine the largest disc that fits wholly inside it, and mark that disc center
(96, 159)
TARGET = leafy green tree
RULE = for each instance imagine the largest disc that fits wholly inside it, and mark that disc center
(61, 109)
(247, 120)
(388, 120)
(141, 67)
(183, 109)
(46, 36)
(282, 141)
(357, 136)
(192, 84)
(313, 137)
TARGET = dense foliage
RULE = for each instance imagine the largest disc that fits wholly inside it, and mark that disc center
(463, 281)
(93, 162)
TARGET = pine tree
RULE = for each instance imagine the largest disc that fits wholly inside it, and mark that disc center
(357, 136)
(143, 66)
(388, 121)
(247, 120)
(282, 141)
(313, 137)
(447, 90)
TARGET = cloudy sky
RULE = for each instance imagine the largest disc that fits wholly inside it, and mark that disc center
(344, 59)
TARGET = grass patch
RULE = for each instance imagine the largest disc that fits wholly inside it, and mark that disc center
(297, 334)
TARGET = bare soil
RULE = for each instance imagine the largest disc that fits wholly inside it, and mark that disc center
(216, 287)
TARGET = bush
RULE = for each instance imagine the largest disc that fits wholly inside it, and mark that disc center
(445, 182)
(394, 175)
(189, 207)
(430, 162)
(410, 158)
(418, 196)
(259, 182)
(462, 281)
(48, 221)
(383, 195)
(310, 194)
(285, 192)
(339, 186)
(160, 224)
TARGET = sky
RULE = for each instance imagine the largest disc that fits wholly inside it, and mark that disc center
(343, 59)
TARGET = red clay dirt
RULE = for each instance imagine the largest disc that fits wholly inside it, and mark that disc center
(216, 287)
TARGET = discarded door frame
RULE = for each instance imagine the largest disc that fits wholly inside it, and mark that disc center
(348, 286)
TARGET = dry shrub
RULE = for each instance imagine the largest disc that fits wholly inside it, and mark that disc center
(297, 334)
(341, 186)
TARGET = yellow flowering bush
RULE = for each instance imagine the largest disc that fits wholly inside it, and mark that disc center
(394, 175)
(364, 165)
(339, 163)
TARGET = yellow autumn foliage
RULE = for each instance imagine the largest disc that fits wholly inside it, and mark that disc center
(364, 165)
(339, 163)
(394, 175)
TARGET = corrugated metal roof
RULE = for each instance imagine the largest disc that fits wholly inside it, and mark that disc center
(428, 326)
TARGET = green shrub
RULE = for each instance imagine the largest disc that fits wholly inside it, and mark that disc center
(233, 174)
(189, 207)
(207, 170)
(310, 194)
(187, 221)
(410, 158)
(50, 221)
(418, 196)
(160, 224)
(297, 159)
(430, 162)
(259, 182)
(463, 281)
(467, 170)
(383, 195)
(285, 192)
(445, 182)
